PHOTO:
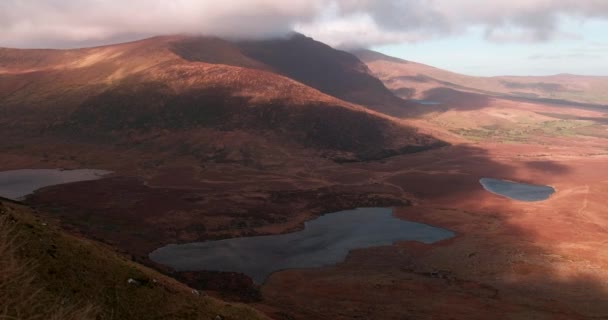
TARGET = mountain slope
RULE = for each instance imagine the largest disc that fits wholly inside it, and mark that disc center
(414, 80)
(333, 72)
(160, 84)
(47, 274)
(337, 73)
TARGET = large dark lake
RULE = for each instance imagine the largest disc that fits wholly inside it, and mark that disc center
(517, 191)
(16, 184)
(324, 241)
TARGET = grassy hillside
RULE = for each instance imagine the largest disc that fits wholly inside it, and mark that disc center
(334, 72)
(315, 64)
(167, 85)
(47, 274)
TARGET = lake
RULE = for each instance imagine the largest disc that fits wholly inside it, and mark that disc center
(427, 102)
(17, 184)
(517, 191)
(324, 241)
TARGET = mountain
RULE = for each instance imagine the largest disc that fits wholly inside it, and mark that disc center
(411, 80)
(48, 274)
(334, 72)
(164, 85)
(251, 133)
(315, 64)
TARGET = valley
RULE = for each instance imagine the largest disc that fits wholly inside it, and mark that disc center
(210, 140)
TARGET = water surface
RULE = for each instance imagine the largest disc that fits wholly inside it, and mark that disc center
(324, 241)
(517, 191)
(427, 102)
(16, 184)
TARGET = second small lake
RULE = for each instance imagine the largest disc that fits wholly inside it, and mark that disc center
(16, 184)
(324, 241)
(517, 191)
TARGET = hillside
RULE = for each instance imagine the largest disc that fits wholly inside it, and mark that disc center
(48, 274)
(412, 80)
(174, 84)
(334, 72)
(209, 140)
(315, 64)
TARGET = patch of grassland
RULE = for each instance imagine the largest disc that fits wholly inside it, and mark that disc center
(493, 133)
(529, 132)
(48, 274)
(596, 130)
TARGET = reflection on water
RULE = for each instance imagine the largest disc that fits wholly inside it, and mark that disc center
(324, 241)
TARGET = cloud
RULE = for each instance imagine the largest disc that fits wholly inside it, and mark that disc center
(31, 22)
(575, 56)
(416, 20)
(390, 21)
(585, 51)
(65, 23)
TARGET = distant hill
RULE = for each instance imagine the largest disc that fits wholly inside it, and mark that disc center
(178, 83)
(413, 80)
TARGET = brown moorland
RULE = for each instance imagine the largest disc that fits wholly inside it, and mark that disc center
(334, 72)
(509, 260)
(144, 89)
(48, 274)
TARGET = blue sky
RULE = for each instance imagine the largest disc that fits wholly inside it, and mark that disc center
(584, 52)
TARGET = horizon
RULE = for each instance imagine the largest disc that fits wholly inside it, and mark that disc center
(395, 51)
(585, 55)
(519, 38)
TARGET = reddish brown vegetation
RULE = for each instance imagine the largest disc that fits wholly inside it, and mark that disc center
(248, 162)
(146, 88)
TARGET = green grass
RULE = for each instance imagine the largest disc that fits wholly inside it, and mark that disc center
(494, 134)
(597, 131)
(530, 132)
(66, 277)
(561, 127)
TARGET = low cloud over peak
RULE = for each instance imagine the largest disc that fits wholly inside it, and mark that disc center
(68, 23)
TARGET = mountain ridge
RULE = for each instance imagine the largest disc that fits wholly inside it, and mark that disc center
(181, 82)
(411, 80)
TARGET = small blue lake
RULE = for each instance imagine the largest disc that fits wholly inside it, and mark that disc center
(517, 191)
(324, 241)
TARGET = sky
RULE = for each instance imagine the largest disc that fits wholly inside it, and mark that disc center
(469, 53)
(477, 37)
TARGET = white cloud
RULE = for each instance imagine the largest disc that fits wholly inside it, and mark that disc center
(31, 23)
